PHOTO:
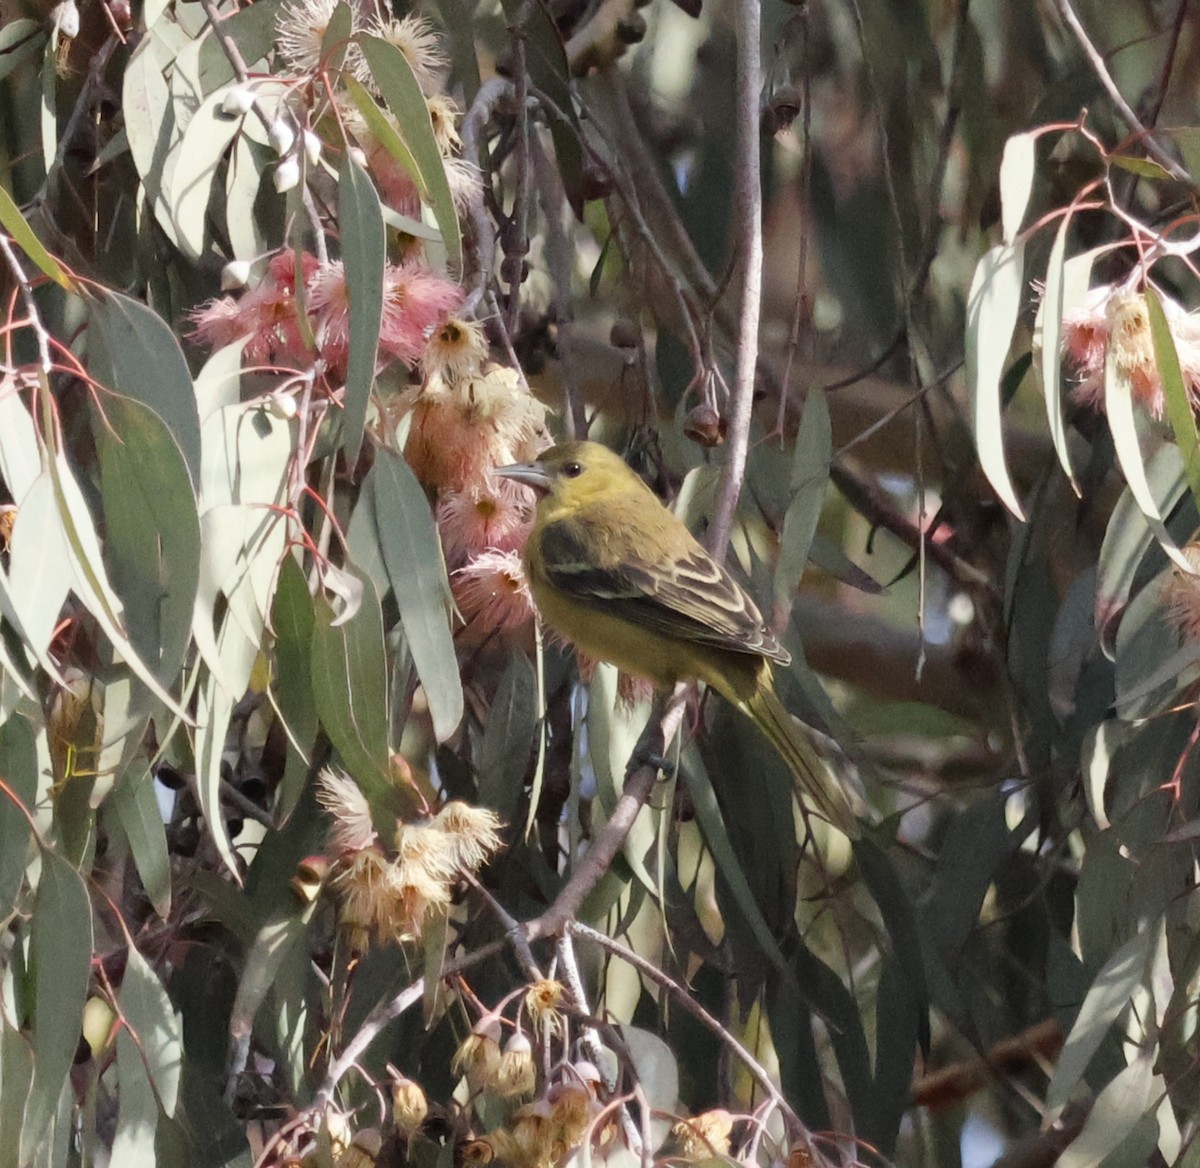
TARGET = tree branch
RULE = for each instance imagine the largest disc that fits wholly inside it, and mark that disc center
(749, 218)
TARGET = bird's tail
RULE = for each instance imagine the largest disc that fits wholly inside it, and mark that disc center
(813, 778)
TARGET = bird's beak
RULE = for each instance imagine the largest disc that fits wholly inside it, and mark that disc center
(532, 474)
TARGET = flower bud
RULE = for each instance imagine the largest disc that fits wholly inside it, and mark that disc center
(478, 1058)
(282, 406)
(281, 136)
(287, 175)
(360, 159)
(237, 101)
(65, 17)
(517, 1073)
(409, 1105)
(235, 274)
(312, 147)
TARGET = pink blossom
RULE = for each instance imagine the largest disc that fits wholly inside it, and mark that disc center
(266, 315)
(491, 591)
(494, 514)
(415, 302)
(1118, 319)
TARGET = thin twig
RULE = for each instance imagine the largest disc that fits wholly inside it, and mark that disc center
(749, 218)
(516, 239)
(1126, 111)
(590, 1037)
(638, 786)
(238, 64)
(482, 253)
(35, 317)
(697, 1011)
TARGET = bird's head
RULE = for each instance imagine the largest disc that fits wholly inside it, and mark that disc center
(572, 474)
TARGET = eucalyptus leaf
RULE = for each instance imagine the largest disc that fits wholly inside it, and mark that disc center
(412, 553)
(363, 252)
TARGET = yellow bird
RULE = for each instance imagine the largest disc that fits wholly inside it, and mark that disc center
(613, 571)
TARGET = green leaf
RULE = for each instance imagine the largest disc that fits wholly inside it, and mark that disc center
(20, 41)
(508, 738)
(18, 750)
(136, 808)
(1018, 165)
(898, 1017)
(349, 678)
(61, 956)
(394, 77)
(810, 478)
(1179, 402)
(363, 252)
(89, 579)
(153, 532)
(149, 1061)
(1066, 283)
(992, 307)
(20, 451)
(890, 895)
(1122, 422)
(1121, 1128)
(1108, 996)
(15, 224)
(16, 1078)
(1128, 538)
(293, 618)
(37, 586)
(412, 554)
(274, 941)
(252, 29)
(138, 355)
(205, 143)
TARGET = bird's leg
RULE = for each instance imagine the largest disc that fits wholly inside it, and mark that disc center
(661, 727)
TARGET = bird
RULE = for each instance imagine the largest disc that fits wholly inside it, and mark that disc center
(618, 575)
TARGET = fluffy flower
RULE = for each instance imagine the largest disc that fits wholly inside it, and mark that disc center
(490, 515)
(267, 316)
(415, 303)
(474, 833)
(415, 300)
(418, 40)
(444, 115)
(460, 431)
(455, 350)
(1181, 595)
(352, 829)
(465, 181)
(492, 590)
(704, 1137)
(1118, 319)
(300, 30)
(543, 1002)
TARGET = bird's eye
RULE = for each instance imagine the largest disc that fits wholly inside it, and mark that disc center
(572, 470)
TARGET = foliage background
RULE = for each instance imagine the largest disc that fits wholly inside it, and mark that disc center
(1004, 969)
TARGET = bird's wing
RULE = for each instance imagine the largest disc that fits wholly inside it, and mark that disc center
(694, 600)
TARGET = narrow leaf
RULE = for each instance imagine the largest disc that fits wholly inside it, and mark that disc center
(61, 954)
(1017, 169)
(992, 308)
(136, 808)
(19, 769)
(810, 478)
(1118, 406)
(1179, 402)
(139, 356)
(15, 224)
(349, 678)
(412, 554)
(402, 94)
(1107, 997)
(363, 252)
(1051, 341)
